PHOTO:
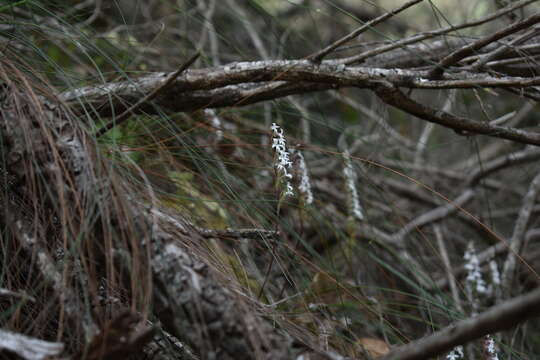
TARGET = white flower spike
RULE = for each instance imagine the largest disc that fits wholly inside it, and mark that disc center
(305, 182)
(282, 162)
(350, 177)
(474, 274)
(490, 349)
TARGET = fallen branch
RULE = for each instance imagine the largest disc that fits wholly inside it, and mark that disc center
(245, 83)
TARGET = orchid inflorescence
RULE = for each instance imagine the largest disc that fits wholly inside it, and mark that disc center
(282, 162)
(305, 183)
(474, 278)
(350, 177)
(476, 287)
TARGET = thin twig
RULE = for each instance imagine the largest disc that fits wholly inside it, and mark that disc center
(518, 236)
(16, 294)
(484, 59)
(447, 267)
(465, 51)
(431, 34)
(318, 56)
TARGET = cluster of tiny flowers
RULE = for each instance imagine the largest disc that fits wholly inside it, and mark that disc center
(282, 162)
(455, 354)
(474, 275)
(475, 285)
(305, 183)
(490, 348)
(350, 176)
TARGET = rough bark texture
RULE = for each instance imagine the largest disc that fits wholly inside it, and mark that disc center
(54, 185)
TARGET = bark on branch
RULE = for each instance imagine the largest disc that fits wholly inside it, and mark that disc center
(245, 83)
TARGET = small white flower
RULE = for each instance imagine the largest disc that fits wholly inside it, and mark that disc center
(455, 354)
(350, 177)
(490, 348)
(282, 162)
(474, 275)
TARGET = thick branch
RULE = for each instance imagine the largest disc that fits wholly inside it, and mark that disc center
(245, 83)
(274, 74)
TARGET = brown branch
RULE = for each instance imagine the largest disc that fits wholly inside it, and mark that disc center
(245, 83)
(277, 73)
(518, 236)
(393, 96)
(497, 318)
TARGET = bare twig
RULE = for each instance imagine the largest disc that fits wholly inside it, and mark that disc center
(518, 235)
(502, 162)
(420, 37)
(484, 59)
(447, 266)
(465, 51)
(434, 215)
(251, 30)
(208, 30)
(428, 129)
(318, 56)
(16, 294)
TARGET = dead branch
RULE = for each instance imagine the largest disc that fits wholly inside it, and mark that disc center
(245, 83)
